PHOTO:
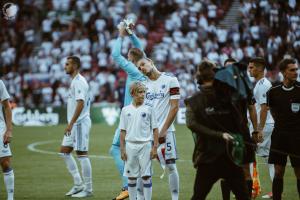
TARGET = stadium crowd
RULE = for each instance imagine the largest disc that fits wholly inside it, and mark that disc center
(177, 34)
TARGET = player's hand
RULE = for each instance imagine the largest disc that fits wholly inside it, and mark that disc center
(161, 140)
(68, 129)
(162, 137)
(7, 137)
(260, 137)
(122, 29)
(123, 155)
(227, 137)
(153, 153)
(257, 136)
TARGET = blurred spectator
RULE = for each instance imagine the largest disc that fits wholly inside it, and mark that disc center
(177, 34)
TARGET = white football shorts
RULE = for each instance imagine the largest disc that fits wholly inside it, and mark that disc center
(79, 137)
(170, 146)
(138, 163)
(4, 148)
(263, 149)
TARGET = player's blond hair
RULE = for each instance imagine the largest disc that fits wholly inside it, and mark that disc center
(136, 54)
(135, 86)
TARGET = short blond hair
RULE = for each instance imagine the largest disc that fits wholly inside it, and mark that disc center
(135, 86)
(136, 54)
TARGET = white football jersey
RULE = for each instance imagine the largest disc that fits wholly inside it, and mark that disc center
(138, 122)
(3, 96)
(259, 92)
(158, 95)
(79, 90)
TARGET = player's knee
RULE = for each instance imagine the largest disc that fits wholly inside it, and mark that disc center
(66, 150)
(171, 166)
(145, 178)
(279, 172)
(81, 153)
(5, 164)
(64, 155)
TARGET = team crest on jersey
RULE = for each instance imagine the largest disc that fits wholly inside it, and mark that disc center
(163, 86)
(295, 107)
(128, 114)
(143, 115)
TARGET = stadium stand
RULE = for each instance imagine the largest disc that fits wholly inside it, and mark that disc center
(177, 34)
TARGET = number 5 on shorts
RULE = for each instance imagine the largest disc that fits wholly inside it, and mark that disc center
(169, 147)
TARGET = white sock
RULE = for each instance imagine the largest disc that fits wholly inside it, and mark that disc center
(72, 167)
(251, 169)
(139, 188)
(173, 181)
(132, 189)
(86, 172)
(147, 189)
(9, 181)
(271, 171)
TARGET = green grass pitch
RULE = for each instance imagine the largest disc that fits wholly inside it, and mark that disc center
(43, 175)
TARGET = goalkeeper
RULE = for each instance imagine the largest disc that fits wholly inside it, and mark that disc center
(211, 116)
(133, 73)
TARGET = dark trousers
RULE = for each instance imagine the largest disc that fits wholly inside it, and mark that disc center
(208, 174)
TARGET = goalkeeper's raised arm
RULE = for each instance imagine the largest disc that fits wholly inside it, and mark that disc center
(134, 54)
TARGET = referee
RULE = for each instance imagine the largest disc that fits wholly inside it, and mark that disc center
(284, 103)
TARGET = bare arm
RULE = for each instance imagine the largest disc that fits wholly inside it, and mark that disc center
(170, 118)
(155, 143)
(253, 116)
(8, 120)
(263, 116)
(122, 145)
(125, 64)
(79, 108)
(258, 136)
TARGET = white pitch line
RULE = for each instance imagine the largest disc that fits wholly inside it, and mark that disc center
(33, 147)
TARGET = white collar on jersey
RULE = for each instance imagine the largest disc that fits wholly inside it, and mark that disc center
(287, 89)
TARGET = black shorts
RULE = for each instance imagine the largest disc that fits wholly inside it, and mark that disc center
(283, 145)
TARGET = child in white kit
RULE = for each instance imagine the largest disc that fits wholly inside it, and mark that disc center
(139, 128)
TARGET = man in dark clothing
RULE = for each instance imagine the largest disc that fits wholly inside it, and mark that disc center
(235, 75)
(213, 118)
(284, 103)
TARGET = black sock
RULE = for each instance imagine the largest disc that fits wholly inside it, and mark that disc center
(298, 187)
(249, 185)
(277, 188)
(225, 190)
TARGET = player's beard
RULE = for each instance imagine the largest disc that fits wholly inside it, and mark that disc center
(69, 72)
(148, 74)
